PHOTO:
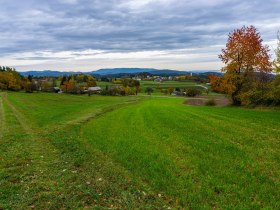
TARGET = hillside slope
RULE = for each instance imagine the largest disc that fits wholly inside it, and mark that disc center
(135, 152)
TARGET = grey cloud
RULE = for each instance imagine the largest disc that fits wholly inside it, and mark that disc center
(121, 25)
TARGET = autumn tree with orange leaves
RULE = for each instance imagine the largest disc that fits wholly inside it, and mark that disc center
(246, 59)
(217, 83)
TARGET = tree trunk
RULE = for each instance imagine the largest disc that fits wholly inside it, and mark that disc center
(235, 100)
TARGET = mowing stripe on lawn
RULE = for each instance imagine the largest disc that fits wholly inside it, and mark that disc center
(2, 117)
(189, 154)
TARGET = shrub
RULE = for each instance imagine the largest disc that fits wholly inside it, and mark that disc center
(210, 102)
(177, 89)
(149, 90)
(253, 98)
(192, 92)
(270, 96)
(104, 92)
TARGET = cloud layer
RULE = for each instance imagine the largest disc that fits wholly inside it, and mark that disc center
(92, 34)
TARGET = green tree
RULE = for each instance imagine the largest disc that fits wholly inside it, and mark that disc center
(276, 63)
(137, 86)
(63, 80)
(149, 90)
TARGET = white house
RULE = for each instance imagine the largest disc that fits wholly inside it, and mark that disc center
(96, 89)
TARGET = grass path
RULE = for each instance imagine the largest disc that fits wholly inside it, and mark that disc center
(27, 158)
(2, 117)
(57, 169)
(25, 125)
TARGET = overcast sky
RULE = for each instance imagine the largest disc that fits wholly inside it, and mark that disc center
(85, 35)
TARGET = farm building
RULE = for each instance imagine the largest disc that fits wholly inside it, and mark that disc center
(96, 89)
(159, 79)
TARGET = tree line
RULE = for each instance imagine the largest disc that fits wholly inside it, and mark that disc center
(10, 79)
(126, 86)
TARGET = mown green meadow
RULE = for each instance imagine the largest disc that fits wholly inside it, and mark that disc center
(75, 151)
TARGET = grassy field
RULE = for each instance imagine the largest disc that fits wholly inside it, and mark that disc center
(157, 86)
(67, 151)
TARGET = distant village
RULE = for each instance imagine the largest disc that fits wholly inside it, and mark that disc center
(128, 84)
(124, 85)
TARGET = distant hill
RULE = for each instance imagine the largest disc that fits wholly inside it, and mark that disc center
(117, 71)
(122, 71)
(48, 73)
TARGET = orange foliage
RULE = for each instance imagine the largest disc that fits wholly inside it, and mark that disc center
(10, 80)
(217, 83)
(243, 56)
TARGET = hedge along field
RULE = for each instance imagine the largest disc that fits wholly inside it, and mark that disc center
(66, 151)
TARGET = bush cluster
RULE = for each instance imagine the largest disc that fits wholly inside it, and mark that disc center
(192, 92)
(210, 102)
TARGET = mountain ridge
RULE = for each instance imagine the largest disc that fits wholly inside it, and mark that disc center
(115, 71)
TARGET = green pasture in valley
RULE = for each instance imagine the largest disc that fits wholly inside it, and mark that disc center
(157, 86)
(60, 151)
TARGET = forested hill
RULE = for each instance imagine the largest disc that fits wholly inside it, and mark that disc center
(117, 71)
